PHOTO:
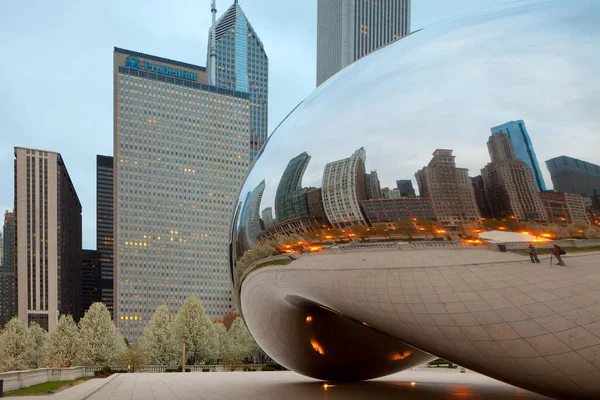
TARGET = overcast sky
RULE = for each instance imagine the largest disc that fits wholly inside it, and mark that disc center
(56, 77)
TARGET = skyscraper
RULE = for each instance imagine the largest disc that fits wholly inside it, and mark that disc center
(348, 30)
(343, 190)
(252, 215)
(267, 217)
(571, 175)
(48, 255)
(564, 208)
(290, 198)
(243, 65)
(8, 290)
(372, 185)
(509, 183)
(104, 229)
(181, 153)
(448, 188)
(523, 148)
(405, 187)
(91, 268)
(481, 197)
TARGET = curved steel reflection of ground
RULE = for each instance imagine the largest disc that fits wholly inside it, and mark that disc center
(536, 326)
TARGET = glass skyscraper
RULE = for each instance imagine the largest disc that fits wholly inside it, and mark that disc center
(243, 65)
(521, 142)
(180, 156)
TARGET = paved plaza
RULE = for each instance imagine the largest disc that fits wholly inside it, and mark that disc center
(419, 383)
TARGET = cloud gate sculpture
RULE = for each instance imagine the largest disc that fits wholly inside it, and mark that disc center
(352, 246)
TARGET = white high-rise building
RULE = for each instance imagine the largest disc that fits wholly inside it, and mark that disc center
(348, 30)
(343, 190)
(180, 156)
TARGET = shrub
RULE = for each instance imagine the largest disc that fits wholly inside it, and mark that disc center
(275, 366)
(267, 368)
(205, 369)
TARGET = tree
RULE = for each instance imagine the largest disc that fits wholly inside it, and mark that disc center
(158, 342)
(194, 328)
(99, 341)
(239, 343)
(38, 337)
(221, 331)
(380, 229)
(60, 351)
(15, 345)
(132, 356)
(405, 227)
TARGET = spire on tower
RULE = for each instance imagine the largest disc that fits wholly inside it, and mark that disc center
(213, 44)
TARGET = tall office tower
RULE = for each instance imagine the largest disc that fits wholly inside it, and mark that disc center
(290, 198)
(48, 255)
(509, 183)
(392, 210)
(181, 153)
(267, 217)
(571, 175)
(104, 228)
(480, 196)
(348, 30)
(251, 215)
(243, 65)
(343, 190)
(564, 208)
(91, 276)
(405, 187)
(395, 193)
(523, 148)
(315, 204)
(8, 289)
(372, 185)
(448, 188)
(385, 193)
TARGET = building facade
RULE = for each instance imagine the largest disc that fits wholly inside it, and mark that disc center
(372, 185)
(104, 228)
(571, 175)
(392, 210)
(348, 30)
(523, 148)
(8, 288)
(48, 252)
(405, 187)
(509, 183)
(343, 190)
(481, 197)
(290, 198)
(181, 153)
(243, 65)
(251, 219)
(564, 208)
(267, 217)
(91, 278)
(314, 197)
(448, 188)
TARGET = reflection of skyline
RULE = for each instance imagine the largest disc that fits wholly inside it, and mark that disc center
(290, 199)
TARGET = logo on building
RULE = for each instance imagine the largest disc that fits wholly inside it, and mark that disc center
(132, 62)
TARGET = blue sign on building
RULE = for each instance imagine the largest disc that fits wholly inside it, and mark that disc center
(134, 63)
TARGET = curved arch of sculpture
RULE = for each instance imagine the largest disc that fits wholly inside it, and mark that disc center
(341, 275)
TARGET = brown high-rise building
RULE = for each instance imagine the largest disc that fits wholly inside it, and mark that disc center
(448, 188)
(564, 208)
(48, 256)
(372, 185)
(480, 196)
(8, 288)
(509, 183)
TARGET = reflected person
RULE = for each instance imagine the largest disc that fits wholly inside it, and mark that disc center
(533, 254)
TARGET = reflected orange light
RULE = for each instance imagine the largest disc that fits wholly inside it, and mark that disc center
(309, 319)
(398, 356)
(501, 228)
(413, 384)
(317, 347)
(546, 235)
(421, 229)
(328, 237)
(315, 248)
(327, 386)
(525, 233)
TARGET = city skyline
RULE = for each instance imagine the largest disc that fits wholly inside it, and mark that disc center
(80, 107)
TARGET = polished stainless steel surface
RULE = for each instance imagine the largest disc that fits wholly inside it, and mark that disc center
(383, 306)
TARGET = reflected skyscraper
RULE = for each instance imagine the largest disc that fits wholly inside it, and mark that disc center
(405, 187)
(523, 148)
(372, 185)
(252, 215)
(348, 30)
(290, 199)
(343, 190)
(571, 175)
(243, 65)
(267, 217)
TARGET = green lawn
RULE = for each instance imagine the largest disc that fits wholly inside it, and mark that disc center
(43, 388)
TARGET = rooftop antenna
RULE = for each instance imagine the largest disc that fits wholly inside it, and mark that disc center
(213, 44)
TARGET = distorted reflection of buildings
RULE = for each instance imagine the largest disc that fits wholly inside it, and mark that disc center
(564, 208)
(395, 193)
(481, 197)
(343, 189)
(405, 187)
(448, 188)
(509, 183)
(571, 175)
(267, 217)
(523, 148)
(372, 185)
(296, 226)
(315, 204)
(251, 215)
(392, 210)
(290, 199)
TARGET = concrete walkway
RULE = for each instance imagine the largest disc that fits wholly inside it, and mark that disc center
(412, 384)
(77, 392)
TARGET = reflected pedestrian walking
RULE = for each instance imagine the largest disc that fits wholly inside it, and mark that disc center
(558, 253)
(533, 254)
